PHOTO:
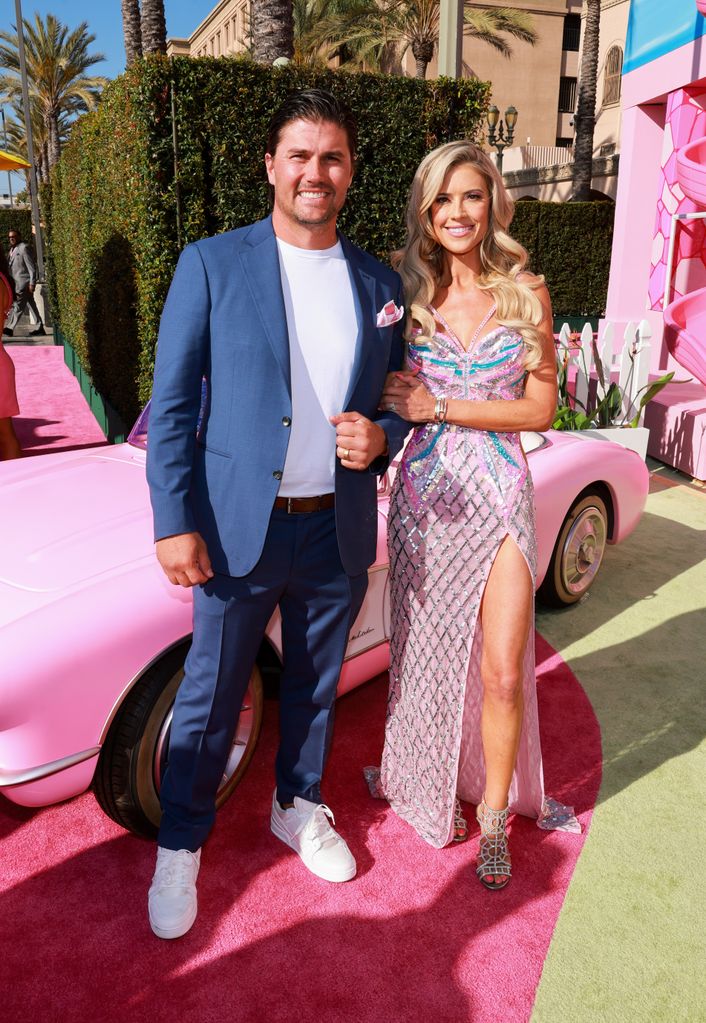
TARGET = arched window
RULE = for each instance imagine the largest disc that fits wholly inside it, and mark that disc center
(613, 75)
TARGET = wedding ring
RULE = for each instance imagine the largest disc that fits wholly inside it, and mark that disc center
(392, 407)
(346, 453)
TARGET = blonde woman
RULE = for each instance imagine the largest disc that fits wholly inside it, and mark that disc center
(462, 714)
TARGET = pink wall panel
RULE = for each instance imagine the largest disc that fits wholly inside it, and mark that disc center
(685, 120)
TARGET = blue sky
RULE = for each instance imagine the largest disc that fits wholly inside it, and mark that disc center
(105, 23)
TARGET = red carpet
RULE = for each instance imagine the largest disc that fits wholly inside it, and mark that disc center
(413, 938)
(54, 415)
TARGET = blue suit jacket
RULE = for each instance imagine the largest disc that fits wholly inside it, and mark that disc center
(224, 319)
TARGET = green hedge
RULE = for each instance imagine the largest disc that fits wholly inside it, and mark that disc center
(570, 243)
(21, 220)
(113, 201)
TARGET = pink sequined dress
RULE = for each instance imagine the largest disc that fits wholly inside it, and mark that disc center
(458, 493)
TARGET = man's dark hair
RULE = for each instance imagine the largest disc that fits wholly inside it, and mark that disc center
(312, 105)
(13, 230)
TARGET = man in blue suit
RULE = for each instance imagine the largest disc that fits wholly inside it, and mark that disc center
(274, 501)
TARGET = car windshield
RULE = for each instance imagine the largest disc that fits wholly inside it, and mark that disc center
(138, 434)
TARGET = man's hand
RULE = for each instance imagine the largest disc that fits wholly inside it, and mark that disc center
(358, 440)
(184, 559)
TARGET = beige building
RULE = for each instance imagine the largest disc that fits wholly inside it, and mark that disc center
(614, 30)
(543, 174)
(540, 81)
(222, 32)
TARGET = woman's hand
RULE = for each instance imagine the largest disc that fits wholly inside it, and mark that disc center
(411, 400)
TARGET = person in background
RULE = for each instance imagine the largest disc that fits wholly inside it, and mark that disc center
(9, 445)
(462, 711)
(24, 277)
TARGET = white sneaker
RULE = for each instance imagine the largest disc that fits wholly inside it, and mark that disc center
(305, 828)
(172, 895)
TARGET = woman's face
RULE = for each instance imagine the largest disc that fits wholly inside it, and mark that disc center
(461, 211)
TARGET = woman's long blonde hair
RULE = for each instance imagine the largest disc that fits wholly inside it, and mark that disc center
(421, 263)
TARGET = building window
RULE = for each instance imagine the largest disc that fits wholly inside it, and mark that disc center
(572, 32)
(227, 27)
(613, 76)
(564, 143)
(567, 95)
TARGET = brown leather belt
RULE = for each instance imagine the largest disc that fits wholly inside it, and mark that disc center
(305, 505)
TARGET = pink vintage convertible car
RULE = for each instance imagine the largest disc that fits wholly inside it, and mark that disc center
(93, 637)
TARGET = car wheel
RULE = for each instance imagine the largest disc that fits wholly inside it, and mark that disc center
(577, 554)
(134, 755)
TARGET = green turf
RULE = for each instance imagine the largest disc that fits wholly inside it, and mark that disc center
(629, 944)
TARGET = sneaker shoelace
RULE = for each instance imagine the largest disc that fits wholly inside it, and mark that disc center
(318, 829)
(177, 872)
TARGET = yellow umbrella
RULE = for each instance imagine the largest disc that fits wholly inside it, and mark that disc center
(9, 162)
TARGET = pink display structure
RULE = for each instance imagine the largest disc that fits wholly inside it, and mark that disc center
(685, 318)
(658, 267)
(685, 332)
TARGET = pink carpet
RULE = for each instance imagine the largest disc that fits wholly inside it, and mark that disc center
(413, 938)
(54, 415)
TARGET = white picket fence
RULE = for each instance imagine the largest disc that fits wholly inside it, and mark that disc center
(628, 366)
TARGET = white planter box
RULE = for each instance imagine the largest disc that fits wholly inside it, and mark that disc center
(635, 440)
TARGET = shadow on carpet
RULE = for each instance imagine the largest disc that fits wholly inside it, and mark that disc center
(414, 937)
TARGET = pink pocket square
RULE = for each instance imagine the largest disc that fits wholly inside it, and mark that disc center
(389, 314)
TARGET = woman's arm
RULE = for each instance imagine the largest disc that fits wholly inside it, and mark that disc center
(534, 411)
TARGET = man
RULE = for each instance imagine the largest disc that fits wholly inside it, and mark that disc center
(24, 276)
(274, 501)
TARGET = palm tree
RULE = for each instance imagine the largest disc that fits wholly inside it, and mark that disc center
(57, 61)
(585, 117)
(132, 32)
(311, 46)
(17, 139)
(371, 27)
(272, 30)
(153, 27)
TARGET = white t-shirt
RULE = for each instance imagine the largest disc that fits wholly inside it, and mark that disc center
(323, 327)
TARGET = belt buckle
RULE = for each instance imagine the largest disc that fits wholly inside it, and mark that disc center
(290, 510)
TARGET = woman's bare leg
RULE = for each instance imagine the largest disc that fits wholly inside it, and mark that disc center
(506, 615)
(9, 445)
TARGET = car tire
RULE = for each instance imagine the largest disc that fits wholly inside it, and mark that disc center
(133, 756)
(578, 552)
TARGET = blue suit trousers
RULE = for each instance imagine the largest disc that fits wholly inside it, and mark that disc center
(300, 569)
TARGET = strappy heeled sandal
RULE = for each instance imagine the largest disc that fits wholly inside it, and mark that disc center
(460, 832)
(493, 852)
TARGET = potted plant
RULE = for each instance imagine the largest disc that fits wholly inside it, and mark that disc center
(609, 410)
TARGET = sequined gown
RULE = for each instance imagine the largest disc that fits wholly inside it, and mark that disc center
(458, 493)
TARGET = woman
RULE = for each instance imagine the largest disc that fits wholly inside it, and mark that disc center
(9, 445)
(462, 713)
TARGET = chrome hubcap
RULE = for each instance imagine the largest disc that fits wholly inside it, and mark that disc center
(583, 550)
(240, 743)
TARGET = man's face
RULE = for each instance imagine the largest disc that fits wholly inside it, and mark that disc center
(310, 171)
(13, 239)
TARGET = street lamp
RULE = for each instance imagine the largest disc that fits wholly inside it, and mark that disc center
(496, 131)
